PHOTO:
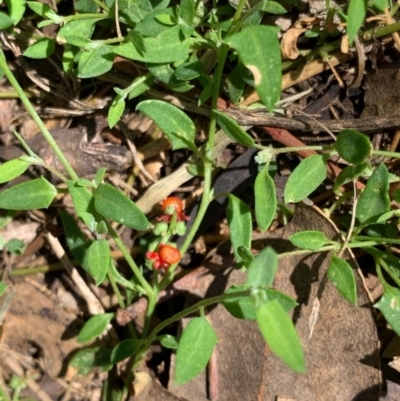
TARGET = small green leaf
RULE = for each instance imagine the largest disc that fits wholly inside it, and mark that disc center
(305, 179)
(166, 19)
(96, 62)
(310, 240)
(43, 48)
(34, 194)
(94, 327)
(245, 254)
(15, 246)
(381, 5)
(113, 204)
(374, 199)
(266, 68)
(76, 241)
(265, 199)
(5, 21)
(262, 269)
(236, 84)
(89, 358)
(389, 305)
(348, 174)
(168, 341)
(233, 129)
(187, 11)
(77, 32)
(41, 9)
(353, 146)
(97, 260)
(342, 277)
(279, 333)
(273, 7)
(86, 6)
(175, 124)
(125, 349)
(115, 111)
(356, 13)
(188, 71)
(82, 198)
(12, 169)
(141, 88)
(16, 8)
(240, 227)
(194, 349)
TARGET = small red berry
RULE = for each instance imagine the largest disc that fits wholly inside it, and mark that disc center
(173, 201)
(169, 254)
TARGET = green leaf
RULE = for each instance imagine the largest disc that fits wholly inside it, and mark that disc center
(356, 13)
(194, 349)
(188, 71)
(86, 6)
(187, 11)
(265, 67)
(235, 84)
(41, 9)
(96, 62)
(113, 204)
(15, 246)
(5, 21)
(12, 169)
(89, 358)
(77, 32)
(305, 179)
(141, 88)
(265, 199)
(76, 241)
(166, 19)
(374, 199)
(115, 111)
(342, 277)
(232, 129)
(381, 5)
(16, 9)
(273, 7)
(262, 269)
(166, 47)
(95, 326)
(43, 48)
(310, 240)
(97, 260)
(353, 146)
(34, 194)
(389, 305)
(279, 333)
(175, 124)
(240, 227)
(125, 349)
(168, 341)
(348, 174)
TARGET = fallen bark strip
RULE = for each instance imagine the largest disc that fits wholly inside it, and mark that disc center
(302, 123)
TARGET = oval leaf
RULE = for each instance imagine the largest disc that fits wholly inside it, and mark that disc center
(356, 13)
(43, 48)
(12, 169)
(178, 127)
(389, 305)
(168, 341)
(311, 240)
(305, 179)
(262, 269)
(353, 146)
(125, 349)
(194, 349)
(240, 227)
(374, 199)
(266, 69)
(113, 204)
(34, 194)
(97, 260)
(94, 327)
(233, 129)
(342, 277)
(96, 62)
(279, 333)
(265, 199)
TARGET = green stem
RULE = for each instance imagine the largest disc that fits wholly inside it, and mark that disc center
(84, 16)
(390, 272)
(386, 153)
(52, 143)
(138, 274)
(152, 300)
(277, 151)
(376, 240)
(201, 304)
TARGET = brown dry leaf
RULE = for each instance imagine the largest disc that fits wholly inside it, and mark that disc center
(33, 318)
(341, 355)
(289, 43)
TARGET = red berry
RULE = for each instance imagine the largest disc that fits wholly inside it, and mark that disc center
(169, 254)
(173, 201)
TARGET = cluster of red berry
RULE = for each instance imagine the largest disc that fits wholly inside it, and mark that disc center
(167, 255)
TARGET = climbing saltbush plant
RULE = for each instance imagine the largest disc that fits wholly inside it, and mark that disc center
(163, 41)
